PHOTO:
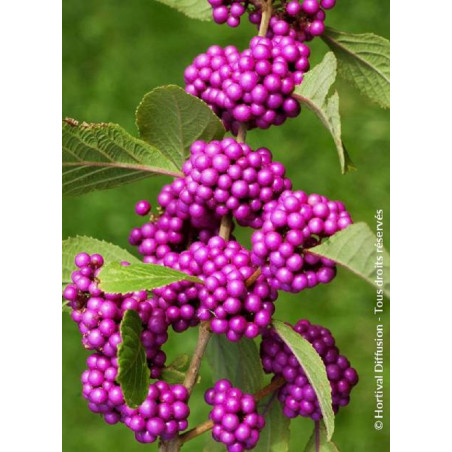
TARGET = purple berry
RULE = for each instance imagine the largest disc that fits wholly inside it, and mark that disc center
(142, 207)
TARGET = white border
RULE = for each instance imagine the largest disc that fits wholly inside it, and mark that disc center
(30, 184)
(421, 153)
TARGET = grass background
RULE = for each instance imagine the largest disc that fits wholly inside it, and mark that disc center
(113, 53)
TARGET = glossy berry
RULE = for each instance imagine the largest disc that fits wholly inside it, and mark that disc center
(297, 395)
(142, 207)
(237, 424)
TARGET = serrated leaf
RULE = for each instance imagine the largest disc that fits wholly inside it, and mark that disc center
(355, 248)
(313, 94)
(117, 278)
(101, 156)
(133, 371)
(363, 61)
(318, 441)
(239, 362)
(74, 245)
(195, 9)
(171, 120)
(313, 367)
(276, 434)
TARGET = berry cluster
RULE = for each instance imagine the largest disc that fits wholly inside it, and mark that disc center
(99, 314)
(173, 203)
(293, 224)
(237, 423)
(156, 238)
(236, 307)
(253, 87)
(305, 17)
(297, 395)
(227, 177)
(163, 414)
(181, 299)
(236, 303)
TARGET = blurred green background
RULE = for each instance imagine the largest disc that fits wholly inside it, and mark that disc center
(113, 53)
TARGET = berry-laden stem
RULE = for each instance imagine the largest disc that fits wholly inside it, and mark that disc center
(266, 6)
(208, 425)
(190, 378)
(193, 370)
(204, 329)
(204, 335)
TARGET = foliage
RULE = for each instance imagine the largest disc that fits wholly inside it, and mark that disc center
(117, 278)
(133, 372)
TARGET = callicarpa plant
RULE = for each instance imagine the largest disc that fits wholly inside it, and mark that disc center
(193, 273)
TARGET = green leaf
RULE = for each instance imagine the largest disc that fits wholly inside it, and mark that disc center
(276, 434)
(117, 278)
(313, 94)
(355, 248)
(101, 156)
(79, 244)
(363, 61)
(196, 9)
(313, 367)
(239, 362)
(133, 372)
(319, 442)
(171, 120)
